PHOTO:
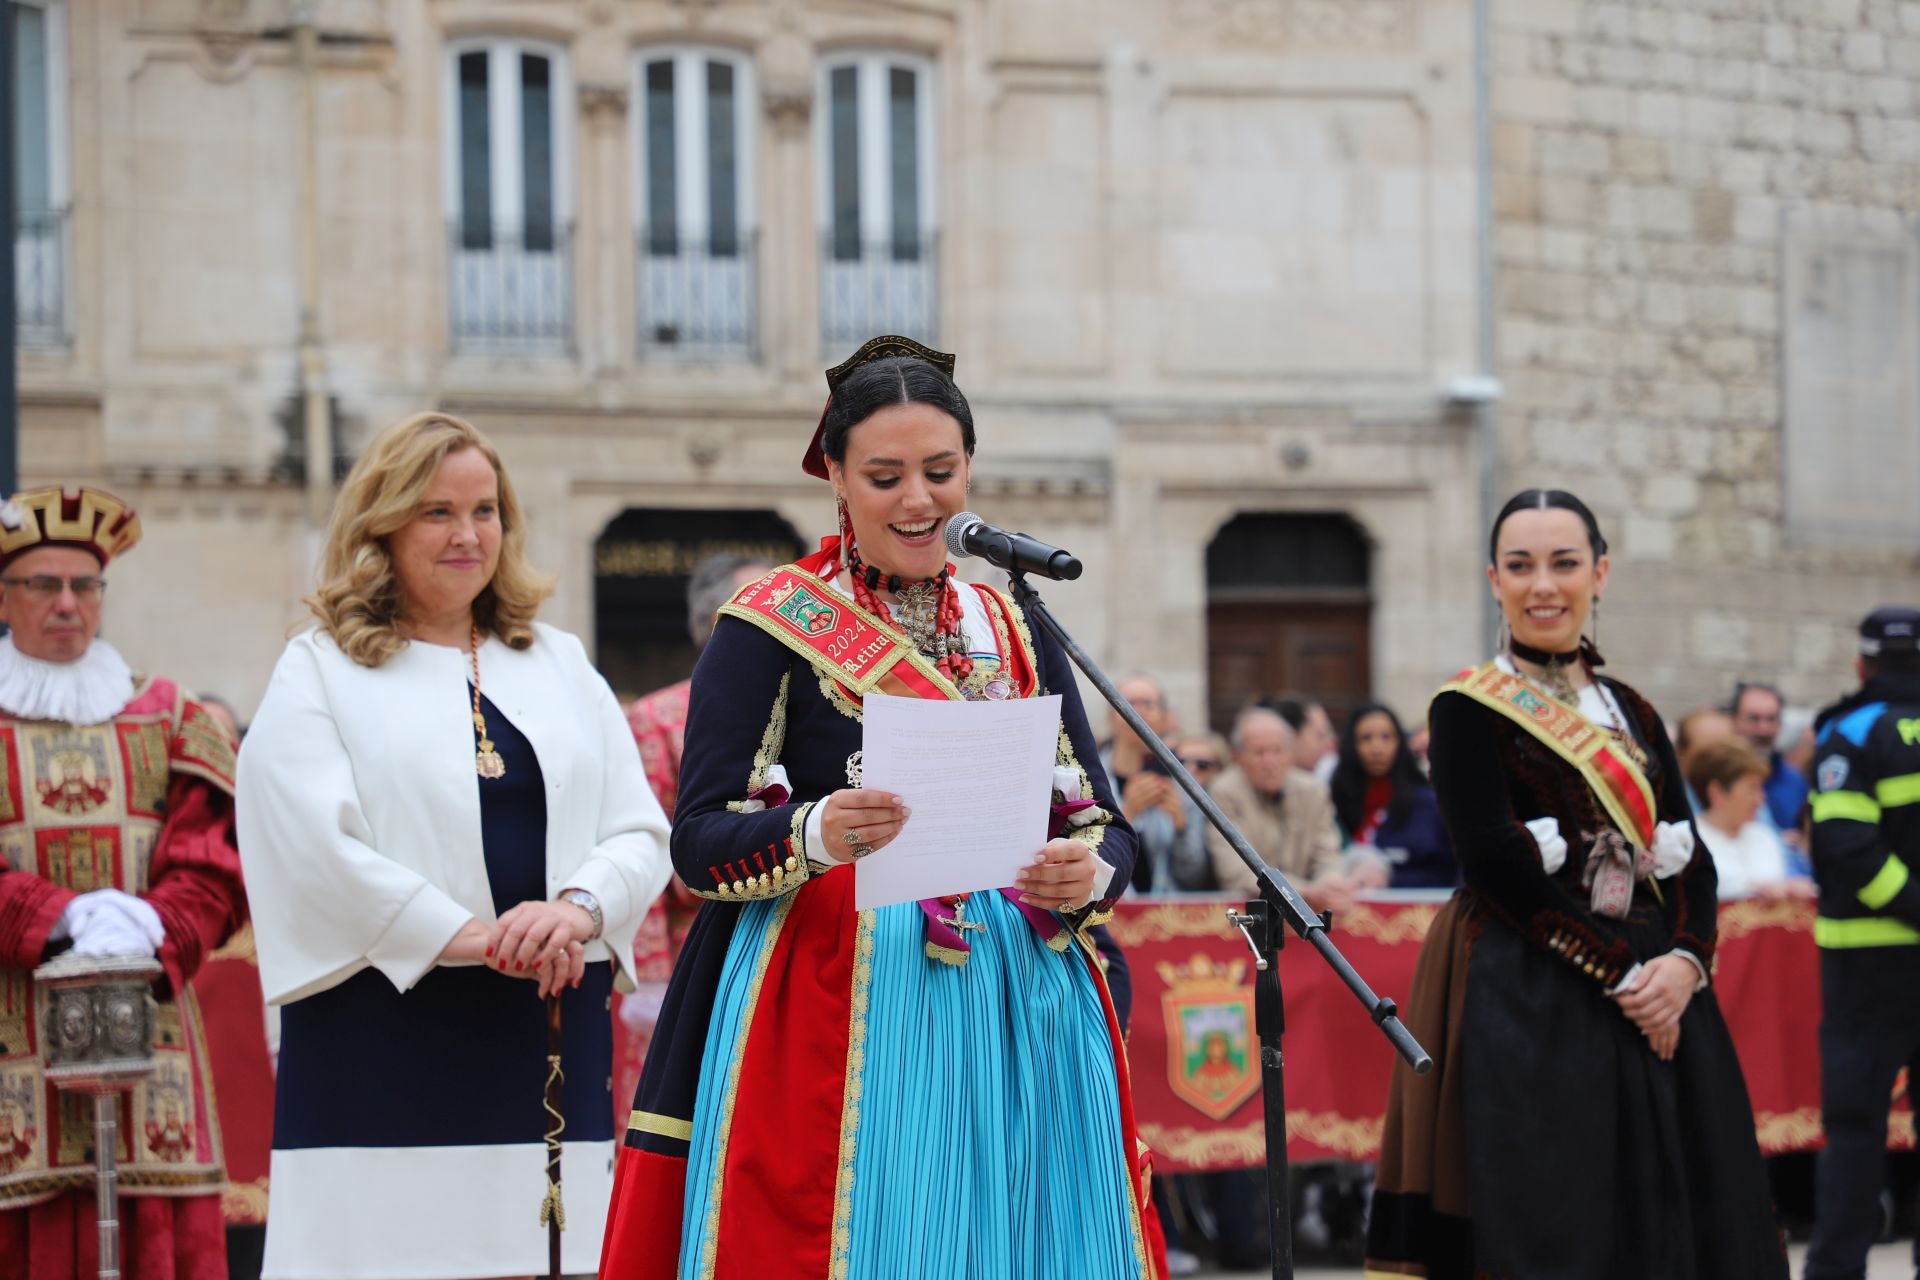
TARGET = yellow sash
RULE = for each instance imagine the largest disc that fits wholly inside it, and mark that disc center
(843, 641)
(1619, 783)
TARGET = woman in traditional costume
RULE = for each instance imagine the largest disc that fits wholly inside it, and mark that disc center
(449, 844)
(1586, 1118)
(934, 1089)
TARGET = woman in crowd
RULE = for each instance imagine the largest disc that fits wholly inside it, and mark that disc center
(448, 843)
(1586, 1118)
(1384, 801)
(932, 1089)
(1749, 857)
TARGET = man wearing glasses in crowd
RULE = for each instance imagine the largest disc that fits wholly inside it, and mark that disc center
(1172, 832)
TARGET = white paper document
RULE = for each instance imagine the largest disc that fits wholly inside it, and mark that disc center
(978, 777)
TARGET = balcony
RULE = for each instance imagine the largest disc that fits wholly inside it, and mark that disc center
(693, 302)
(40, 277)
(886, 286)
(508, 293)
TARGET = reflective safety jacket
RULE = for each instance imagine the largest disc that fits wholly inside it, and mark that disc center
(1866, 816)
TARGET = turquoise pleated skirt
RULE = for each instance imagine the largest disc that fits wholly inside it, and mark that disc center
(987, 1140)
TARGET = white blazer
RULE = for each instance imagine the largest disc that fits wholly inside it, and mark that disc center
(359, 810)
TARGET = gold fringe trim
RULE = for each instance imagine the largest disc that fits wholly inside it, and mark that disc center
(946, 955)
(851, 1096)
(238, 947)
(244, 1203)
(664, 1126)
(710, 1235)
(1357, 1138)
(1751, 915)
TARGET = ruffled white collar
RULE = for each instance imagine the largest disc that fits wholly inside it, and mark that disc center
(89, 690)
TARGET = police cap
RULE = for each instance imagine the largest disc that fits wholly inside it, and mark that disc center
(1890, 629)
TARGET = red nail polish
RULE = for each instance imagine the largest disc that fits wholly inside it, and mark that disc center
(489, 951)
(517, 966)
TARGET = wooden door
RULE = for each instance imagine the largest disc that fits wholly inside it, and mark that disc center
(1315, 652)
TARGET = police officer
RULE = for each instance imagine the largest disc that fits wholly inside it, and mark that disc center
(1866, 850)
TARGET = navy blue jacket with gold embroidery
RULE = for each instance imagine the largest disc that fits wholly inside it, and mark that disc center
(755, 704)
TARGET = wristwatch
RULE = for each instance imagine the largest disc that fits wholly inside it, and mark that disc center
(589, 904)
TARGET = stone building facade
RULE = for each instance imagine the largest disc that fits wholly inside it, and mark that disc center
(1707, 299)
(1213, 270)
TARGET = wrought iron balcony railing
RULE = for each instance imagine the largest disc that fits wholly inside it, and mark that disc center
(40, 277)
(695, 301)
(510, 292)
(887, 286)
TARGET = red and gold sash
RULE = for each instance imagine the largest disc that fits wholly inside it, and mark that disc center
(1623, 790)
(863, 655)
(845, 643)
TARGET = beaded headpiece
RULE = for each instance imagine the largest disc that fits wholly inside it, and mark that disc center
(881, 348)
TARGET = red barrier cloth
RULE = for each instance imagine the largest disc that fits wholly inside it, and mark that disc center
(1196, 1062)
(233, 1012)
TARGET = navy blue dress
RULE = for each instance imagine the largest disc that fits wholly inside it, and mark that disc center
(461, 1059)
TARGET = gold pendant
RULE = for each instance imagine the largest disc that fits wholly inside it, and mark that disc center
(487, 761)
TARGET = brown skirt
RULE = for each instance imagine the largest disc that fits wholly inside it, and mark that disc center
(1422, 1221)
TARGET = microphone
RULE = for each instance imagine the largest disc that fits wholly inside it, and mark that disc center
(969, 535)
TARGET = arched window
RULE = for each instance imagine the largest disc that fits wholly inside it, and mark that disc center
(1289, 613)
(641, 563)
(693, 129)
(508, 184)
(878, 221)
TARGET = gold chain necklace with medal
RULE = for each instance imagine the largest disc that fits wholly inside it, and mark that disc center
(486, 761)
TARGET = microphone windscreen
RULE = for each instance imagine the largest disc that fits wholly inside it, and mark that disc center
(957, 533)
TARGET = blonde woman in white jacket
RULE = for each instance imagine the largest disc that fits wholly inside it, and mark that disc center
(444, 822)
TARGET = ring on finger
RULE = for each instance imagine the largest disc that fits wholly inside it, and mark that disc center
(861, 849)
(852, 837)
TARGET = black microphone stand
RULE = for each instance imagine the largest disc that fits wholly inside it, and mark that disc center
(1264, 923)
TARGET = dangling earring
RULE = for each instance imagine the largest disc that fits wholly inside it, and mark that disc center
(845, 522)
(1505, 643)
(1594, 617)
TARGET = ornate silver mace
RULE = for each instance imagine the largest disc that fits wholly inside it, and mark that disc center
(96, 1036)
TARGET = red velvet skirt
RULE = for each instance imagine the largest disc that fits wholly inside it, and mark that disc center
(161, 1238)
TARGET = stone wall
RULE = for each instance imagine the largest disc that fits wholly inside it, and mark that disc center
(1197, 258)
(1651, 162)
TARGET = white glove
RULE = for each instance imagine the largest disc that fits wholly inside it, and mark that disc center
(1672, 850)
(108, 922)
(1553, 846)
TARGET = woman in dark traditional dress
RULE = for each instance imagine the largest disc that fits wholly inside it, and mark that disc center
(1586, 1118)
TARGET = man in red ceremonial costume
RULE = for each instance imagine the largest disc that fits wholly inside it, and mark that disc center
(116, 837)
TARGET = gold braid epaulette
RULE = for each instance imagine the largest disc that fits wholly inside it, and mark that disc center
(769, 873)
